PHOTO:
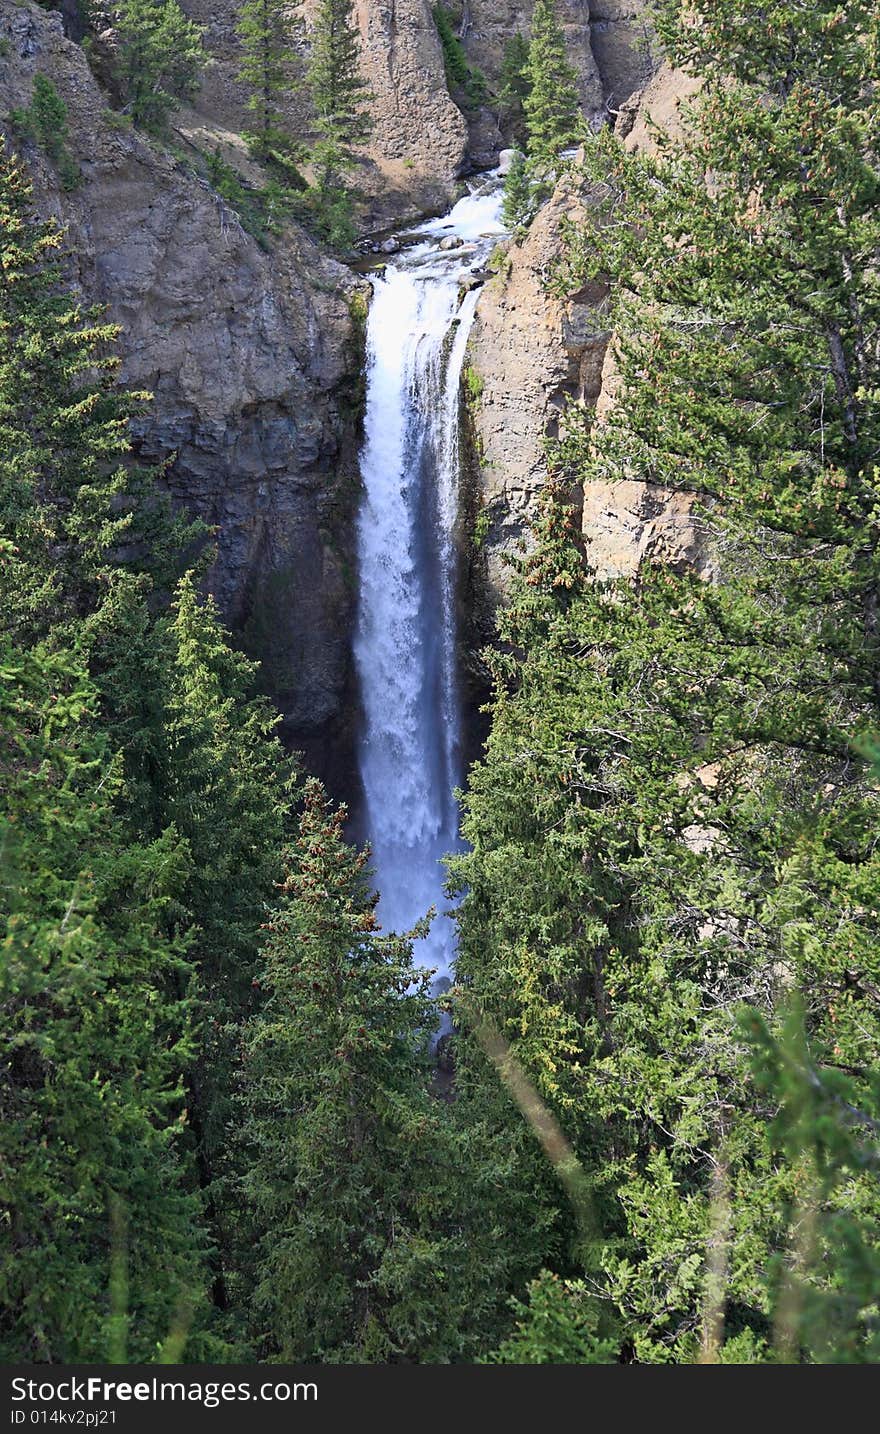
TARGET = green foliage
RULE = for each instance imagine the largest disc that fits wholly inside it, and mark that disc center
(69, 503)
(147, 799)
(339, 97)
(329, 205)
(540, 98)
(339, 93)
(263, 211)
(482, 527)
(515, 86)
(466, 80)
(559, 1325)
(826, 1127)
(521, 196)
(96, 1002)
(551, 105)
(376, 1215)
(160, 62)
(267, 30)
(670, 822)
(96, 1016)
(216, 1069)
(474, 384)
(226, 181)
(45, 121)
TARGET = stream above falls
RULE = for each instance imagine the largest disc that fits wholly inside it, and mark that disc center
(409, 748)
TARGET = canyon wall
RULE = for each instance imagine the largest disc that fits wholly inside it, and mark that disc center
(253, 348)
(254, 360)
(530, 354)
(421, 142)
(609, 42)
(487, 25)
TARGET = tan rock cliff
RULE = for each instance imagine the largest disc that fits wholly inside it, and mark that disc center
(419, 142)
(529, 354)
(608, 42)
(532, 354)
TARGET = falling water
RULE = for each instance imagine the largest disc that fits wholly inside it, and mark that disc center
(405, 645)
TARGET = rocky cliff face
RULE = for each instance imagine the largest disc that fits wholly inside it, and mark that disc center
(252, 357)
(487, 25)
(624, 48)
(608, 42)
(530, 354)
(627, 522)
(419, 142)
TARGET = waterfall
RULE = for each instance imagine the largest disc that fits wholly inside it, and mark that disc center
(405, 642)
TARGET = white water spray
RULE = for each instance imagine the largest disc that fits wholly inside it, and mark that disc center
(405, 644)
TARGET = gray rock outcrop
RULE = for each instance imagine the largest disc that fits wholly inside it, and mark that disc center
(624, 48)
(489, 24)
(418, 145)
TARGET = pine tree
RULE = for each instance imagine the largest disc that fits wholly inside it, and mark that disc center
(825, 1128)
(519, 196)
(377, 1237)
(552, 106)
(267, 30)
(161, 59)
(515, 85)
(173, 797)
(62, 425)
(671, 820)
(338, 92)
(224, 786)
(45, 121)
(465, 81)
(89, 532)
(559, 1325)
(97, 1033)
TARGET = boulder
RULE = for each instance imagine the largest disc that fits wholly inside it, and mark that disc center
(505, 160)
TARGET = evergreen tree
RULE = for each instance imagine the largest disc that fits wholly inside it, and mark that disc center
(825, 1128)
(266, 30)
(339, 96)
(223, 784)
(85, 528)
(181, 773)
(559, 1325)
(45, 121)
(552, 106)
(467, 84)
(670, 821)
(515, 85)
(95, 1003)
(160, 62)
(377, 1235)
(520, 196)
